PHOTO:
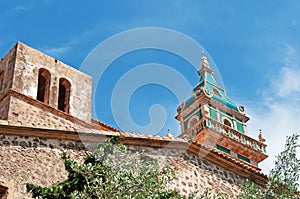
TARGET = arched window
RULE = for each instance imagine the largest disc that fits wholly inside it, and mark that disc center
(3, 191)
(193, 121)
(64, 95)
(227, 122)
(1, 79)
(43, 91)
(217, 92)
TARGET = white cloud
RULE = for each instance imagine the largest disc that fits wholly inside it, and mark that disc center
(55, 51)
(71, 43)
(16, 10)
(279, 110)
(289, 83)
(278, 120)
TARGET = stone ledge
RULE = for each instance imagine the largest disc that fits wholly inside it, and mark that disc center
(3, 122)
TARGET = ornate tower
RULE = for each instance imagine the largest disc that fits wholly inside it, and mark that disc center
(211, 119)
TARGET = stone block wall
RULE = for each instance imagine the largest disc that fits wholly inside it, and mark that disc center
(4, 106)
(198, 174)
(37, 160)
(193, 173)
(25, 80)
(34, 160)
(7, 67)
(27, 115)
(18, 112)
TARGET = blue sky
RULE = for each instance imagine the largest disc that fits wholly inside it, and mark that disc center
(255, 45)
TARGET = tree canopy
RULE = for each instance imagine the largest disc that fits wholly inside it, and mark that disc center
(283, 180)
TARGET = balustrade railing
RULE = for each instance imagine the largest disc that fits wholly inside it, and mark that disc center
(228, 132)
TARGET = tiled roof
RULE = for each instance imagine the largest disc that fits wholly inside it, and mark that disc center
(98, 124)
(233, 159)
(147, 136)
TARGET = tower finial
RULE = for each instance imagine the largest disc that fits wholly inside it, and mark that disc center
(169, 134)
(204, 60)
(261, 136)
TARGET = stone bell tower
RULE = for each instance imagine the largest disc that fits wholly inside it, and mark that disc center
(38, 91)
(211, 119)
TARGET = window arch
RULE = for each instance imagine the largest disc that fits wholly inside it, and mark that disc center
(1, 79)
(217, 92)
(43, 91)
(193, 121)
(64, 95)
(3, 191)
(227, 122)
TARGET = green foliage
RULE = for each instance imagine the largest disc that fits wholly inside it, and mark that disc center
(208, 194)
(250, 191)
(111, 171)
(283, 179)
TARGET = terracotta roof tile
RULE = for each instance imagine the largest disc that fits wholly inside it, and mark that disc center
(98, 124)
(237, 161)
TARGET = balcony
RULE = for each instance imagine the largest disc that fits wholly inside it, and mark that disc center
(209, 131)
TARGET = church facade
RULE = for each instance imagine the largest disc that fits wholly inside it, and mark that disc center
(45, 110)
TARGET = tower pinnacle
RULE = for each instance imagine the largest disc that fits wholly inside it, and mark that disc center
(204, 62)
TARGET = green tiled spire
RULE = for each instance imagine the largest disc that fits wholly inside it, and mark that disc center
(209, 85)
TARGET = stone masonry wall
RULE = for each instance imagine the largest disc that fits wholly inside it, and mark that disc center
(7, 67)
(195, 173)
(198, 174)
(20, 113)
(24, 114)
(37, 160)
(25, 81)
(4, 106)
(34, 160)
